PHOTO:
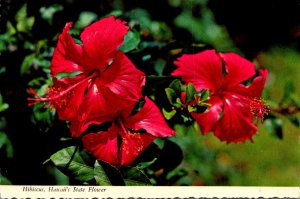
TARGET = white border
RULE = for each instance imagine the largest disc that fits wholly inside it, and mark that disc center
(7, 191)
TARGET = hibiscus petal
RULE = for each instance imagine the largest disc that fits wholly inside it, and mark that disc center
(133, 144)
(204, 70)
(150, 119)
(101, 40)
(100, 102)
(238, 69)
(68, 104)
(119, 87)
(255, 89)
(207, 121)
(77, 127)
(123, 79)
(236, 125)
(66, 56)
(103, 145)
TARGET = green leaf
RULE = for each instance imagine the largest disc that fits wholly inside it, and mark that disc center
(159, 66)
(171, 95)
(100, 175)
(3, 106)
(27, 63)
(131, 41)
(4, 180)
(107, 174)
(4, 141)
(159, 142)
(192, 109)
(274, 127)
(24, 23)
(190, 92)
(135, 177)
(178, 103)
(74, 164)
(168, 115)
(2, 69)
(116, 13)
(85, 19)
(48, 12)
(205, 94)
(62, 75)
(42, 114)
(176, 85)
(3, 123)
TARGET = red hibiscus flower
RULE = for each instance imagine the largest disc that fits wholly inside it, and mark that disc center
(100, 78)
(128, 136)
(234, 101)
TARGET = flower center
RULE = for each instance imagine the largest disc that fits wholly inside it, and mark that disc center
(258, 108)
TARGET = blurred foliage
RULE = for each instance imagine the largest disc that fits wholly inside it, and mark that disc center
(160, 32)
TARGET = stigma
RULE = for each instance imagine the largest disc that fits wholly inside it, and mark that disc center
(259, 108)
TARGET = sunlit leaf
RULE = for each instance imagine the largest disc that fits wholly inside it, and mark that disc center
(85, 19)
(100, 175)
(24, 23)
(168, 115)
(74, 163)
(205, 94)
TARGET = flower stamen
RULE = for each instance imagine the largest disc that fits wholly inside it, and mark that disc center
(259, 108)
(56, 94)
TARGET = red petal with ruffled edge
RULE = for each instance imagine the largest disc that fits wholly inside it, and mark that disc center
(67, 55)
(133, 144)
(238, 70)
(101, 40)
(254, 90)
(203, 70)
(150, 119)
(123, 79)
(103, 145)
(208, 121)
(236, 123)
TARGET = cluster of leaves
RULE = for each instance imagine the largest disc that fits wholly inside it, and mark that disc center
(192, 101)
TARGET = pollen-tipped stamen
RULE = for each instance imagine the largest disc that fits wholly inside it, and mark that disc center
(259, 108)
(55, 94)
